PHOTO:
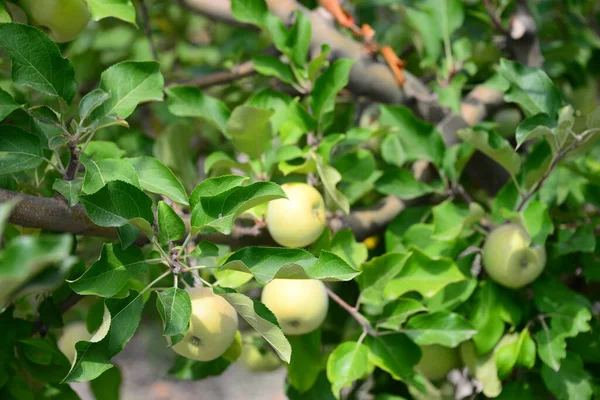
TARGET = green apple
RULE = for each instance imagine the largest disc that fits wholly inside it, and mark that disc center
(213, 327)
(72, 333)
(259, 360)
(436, 361)
(298, 220)
(509, 258)
(508, 120)
(300, 305)
(62, 20)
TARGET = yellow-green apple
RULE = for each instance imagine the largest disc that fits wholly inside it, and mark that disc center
(509, 258)
(298, 220)
(300, 305)
(436, 361)
(213, 326)
(62, 20)
(259, 360)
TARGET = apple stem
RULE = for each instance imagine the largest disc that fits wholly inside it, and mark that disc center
(361, 319)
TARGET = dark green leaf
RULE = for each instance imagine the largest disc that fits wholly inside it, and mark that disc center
(170, 225)
(175, 308)
(572, 381)
(156, 177)
(20, 150)
(192, 102)
(107, 386)
(190, 370)
(7, 104)
(442, 327)
(307, 360)
(327, 86)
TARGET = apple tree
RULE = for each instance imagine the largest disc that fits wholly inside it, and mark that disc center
(389, 199)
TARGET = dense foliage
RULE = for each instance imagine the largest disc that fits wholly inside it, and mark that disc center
(152, 149)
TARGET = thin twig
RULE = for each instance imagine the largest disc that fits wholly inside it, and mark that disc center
(219, 78)
(494, 17)
(147, 29)
(364, 322)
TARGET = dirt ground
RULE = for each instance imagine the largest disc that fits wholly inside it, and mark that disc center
(144, 364)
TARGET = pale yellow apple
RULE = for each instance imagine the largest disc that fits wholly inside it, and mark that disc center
(72, 333)
(300, 305)
(298, 220)
(213, 326)
(509, 258)
(62, 20)
(257, 361)
(436, 361)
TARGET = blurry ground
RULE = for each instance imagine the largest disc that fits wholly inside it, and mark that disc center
(144, 364)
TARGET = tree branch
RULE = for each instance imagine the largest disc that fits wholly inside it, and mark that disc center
(364, 322)
(219, 78)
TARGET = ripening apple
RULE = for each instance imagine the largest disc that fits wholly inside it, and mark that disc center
(258, 361)
(300, 305)
(62, 20)
(436, 361)
(213, 326)
(72, 333)
(509, 258)
(298, 220)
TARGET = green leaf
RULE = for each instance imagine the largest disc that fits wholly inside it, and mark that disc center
(214, 186)
(111, 272)
(37, 62)
(320, 390)
(220, 160)
(494, 146)
(107, 386)
(419, 139)
(327, 86)
(192, 102)
(170, 225)
(268, 263)
(120, 9)
(572, 381)
(575, 240)
(519, 349)
(250, 130)
(355, 165)
(392, 151)
(531, 88)
(69, 189)
(395, 314)
(250, 11)
(397, 355)
(423, 274)
(538, 222)
(273, 66)
(91, 102)
(443, 327)
(218, 212)
(129, 83)
(348, 249)
(538, 125)
(117, 204)
(100, 149)
(190, 370)
(7, 104)
(258, 316)
(449, 219)
(330, 178)
(402, 184)
(175, 309)
(156, 177)
(4, 15)
(298, 40)
(346, 364)
(26, 256)
(20, 150)
(377, 273)
(98, 174)
(121, 319)
(307, 360)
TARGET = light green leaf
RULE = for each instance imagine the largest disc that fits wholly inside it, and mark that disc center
(494, 146)
(377, 273)
(170, 225)
(259, 317)
(395, 314)
(442, 327)
(215, 186)
(330, 178)
(121, 9)
(268, 263)
(572, 381)
(423, 274)
(402, 184)
(250, 11)
(192, 102)
(419, 139)
(111, 272)
(156, 177)
(347, 363)
(307, 360)
(119, 203)
(273, 66)
(175, 309)
(346, 247)
(130, 83)
(98, 174)
(37, 62)
(20, 150)
(327, 86)
(298, 40)
(250, 130)
(100, 149)
(218, 212)
(5, 211)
